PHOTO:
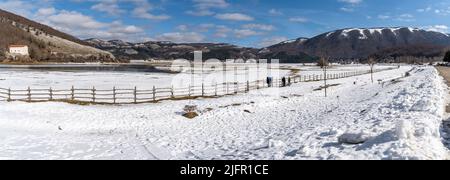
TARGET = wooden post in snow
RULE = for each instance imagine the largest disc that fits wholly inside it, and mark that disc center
(9, 95)
(114, 95)
(189, 90)
(50, 94)
(135, 94)
(215, 90)
(248, 86)
(29, 94)
(93, 94)
(228, 88)
(154, 94)
(203, 89)
(72, 93)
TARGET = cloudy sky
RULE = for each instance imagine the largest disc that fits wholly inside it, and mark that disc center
(254, 23)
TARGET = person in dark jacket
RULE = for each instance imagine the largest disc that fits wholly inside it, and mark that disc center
(283, 82)
(289, 81)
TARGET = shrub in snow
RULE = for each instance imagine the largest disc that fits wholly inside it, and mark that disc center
(447, 57)
(190, 111)
(353, 138)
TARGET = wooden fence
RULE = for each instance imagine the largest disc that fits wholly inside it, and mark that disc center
(136, 95)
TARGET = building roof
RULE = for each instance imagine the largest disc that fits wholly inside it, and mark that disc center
(12, 46)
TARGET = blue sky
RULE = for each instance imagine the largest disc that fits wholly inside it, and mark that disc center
(254, 23)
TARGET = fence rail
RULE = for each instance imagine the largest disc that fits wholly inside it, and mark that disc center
(136, 96)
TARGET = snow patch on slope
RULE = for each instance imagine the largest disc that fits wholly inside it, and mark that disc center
(364, 32)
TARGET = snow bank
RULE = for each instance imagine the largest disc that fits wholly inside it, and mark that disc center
(418, 111)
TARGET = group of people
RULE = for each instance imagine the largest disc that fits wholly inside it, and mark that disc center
(284, 81)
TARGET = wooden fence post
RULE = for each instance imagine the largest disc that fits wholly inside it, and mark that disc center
(93, 94)
(114, 95)
(51, 94)
(29, 94)
(154, 94)
(172, 93)
(248, 87)
(215, 92)
(228, 88)
(135, 95)
(203, 89)
(9, 95)
(72, 91)
(189, 95)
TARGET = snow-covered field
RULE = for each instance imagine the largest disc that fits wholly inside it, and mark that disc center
(398, 120)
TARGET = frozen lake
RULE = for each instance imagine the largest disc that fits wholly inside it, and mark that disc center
(107, 77)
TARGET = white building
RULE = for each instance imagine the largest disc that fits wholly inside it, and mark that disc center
(19, 50)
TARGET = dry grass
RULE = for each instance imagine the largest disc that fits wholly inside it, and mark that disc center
(444, 72)
(190, 115)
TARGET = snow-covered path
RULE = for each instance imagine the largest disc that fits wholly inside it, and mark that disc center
(400, 120)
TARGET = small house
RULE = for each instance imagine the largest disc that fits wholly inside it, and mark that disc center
(19, 50)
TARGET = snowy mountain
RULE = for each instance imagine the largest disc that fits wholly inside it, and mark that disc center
(343, 44)
(363, 42)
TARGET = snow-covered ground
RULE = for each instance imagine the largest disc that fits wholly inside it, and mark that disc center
(398, 120)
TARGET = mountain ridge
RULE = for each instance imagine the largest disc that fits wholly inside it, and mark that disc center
(347, 44)
(45, 43)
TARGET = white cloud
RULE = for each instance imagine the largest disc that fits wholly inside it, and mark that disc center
(234, 17)
(350, 5)
(262, 27)
(243, 33)
(203, 7)
(19, 7)
(206, 4)
(406, 17)
(384, 17)
(275, 12)
(46, 11)
(200, 13)
(182, 27)
(347, 9)
(428, 9)
(271, 41)
(84, 26)
(438, 28)
(351, 1)
(143, 10)
(298, 20)
(74, 20)
(181, 37)
(109, 6)
(222, 31)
